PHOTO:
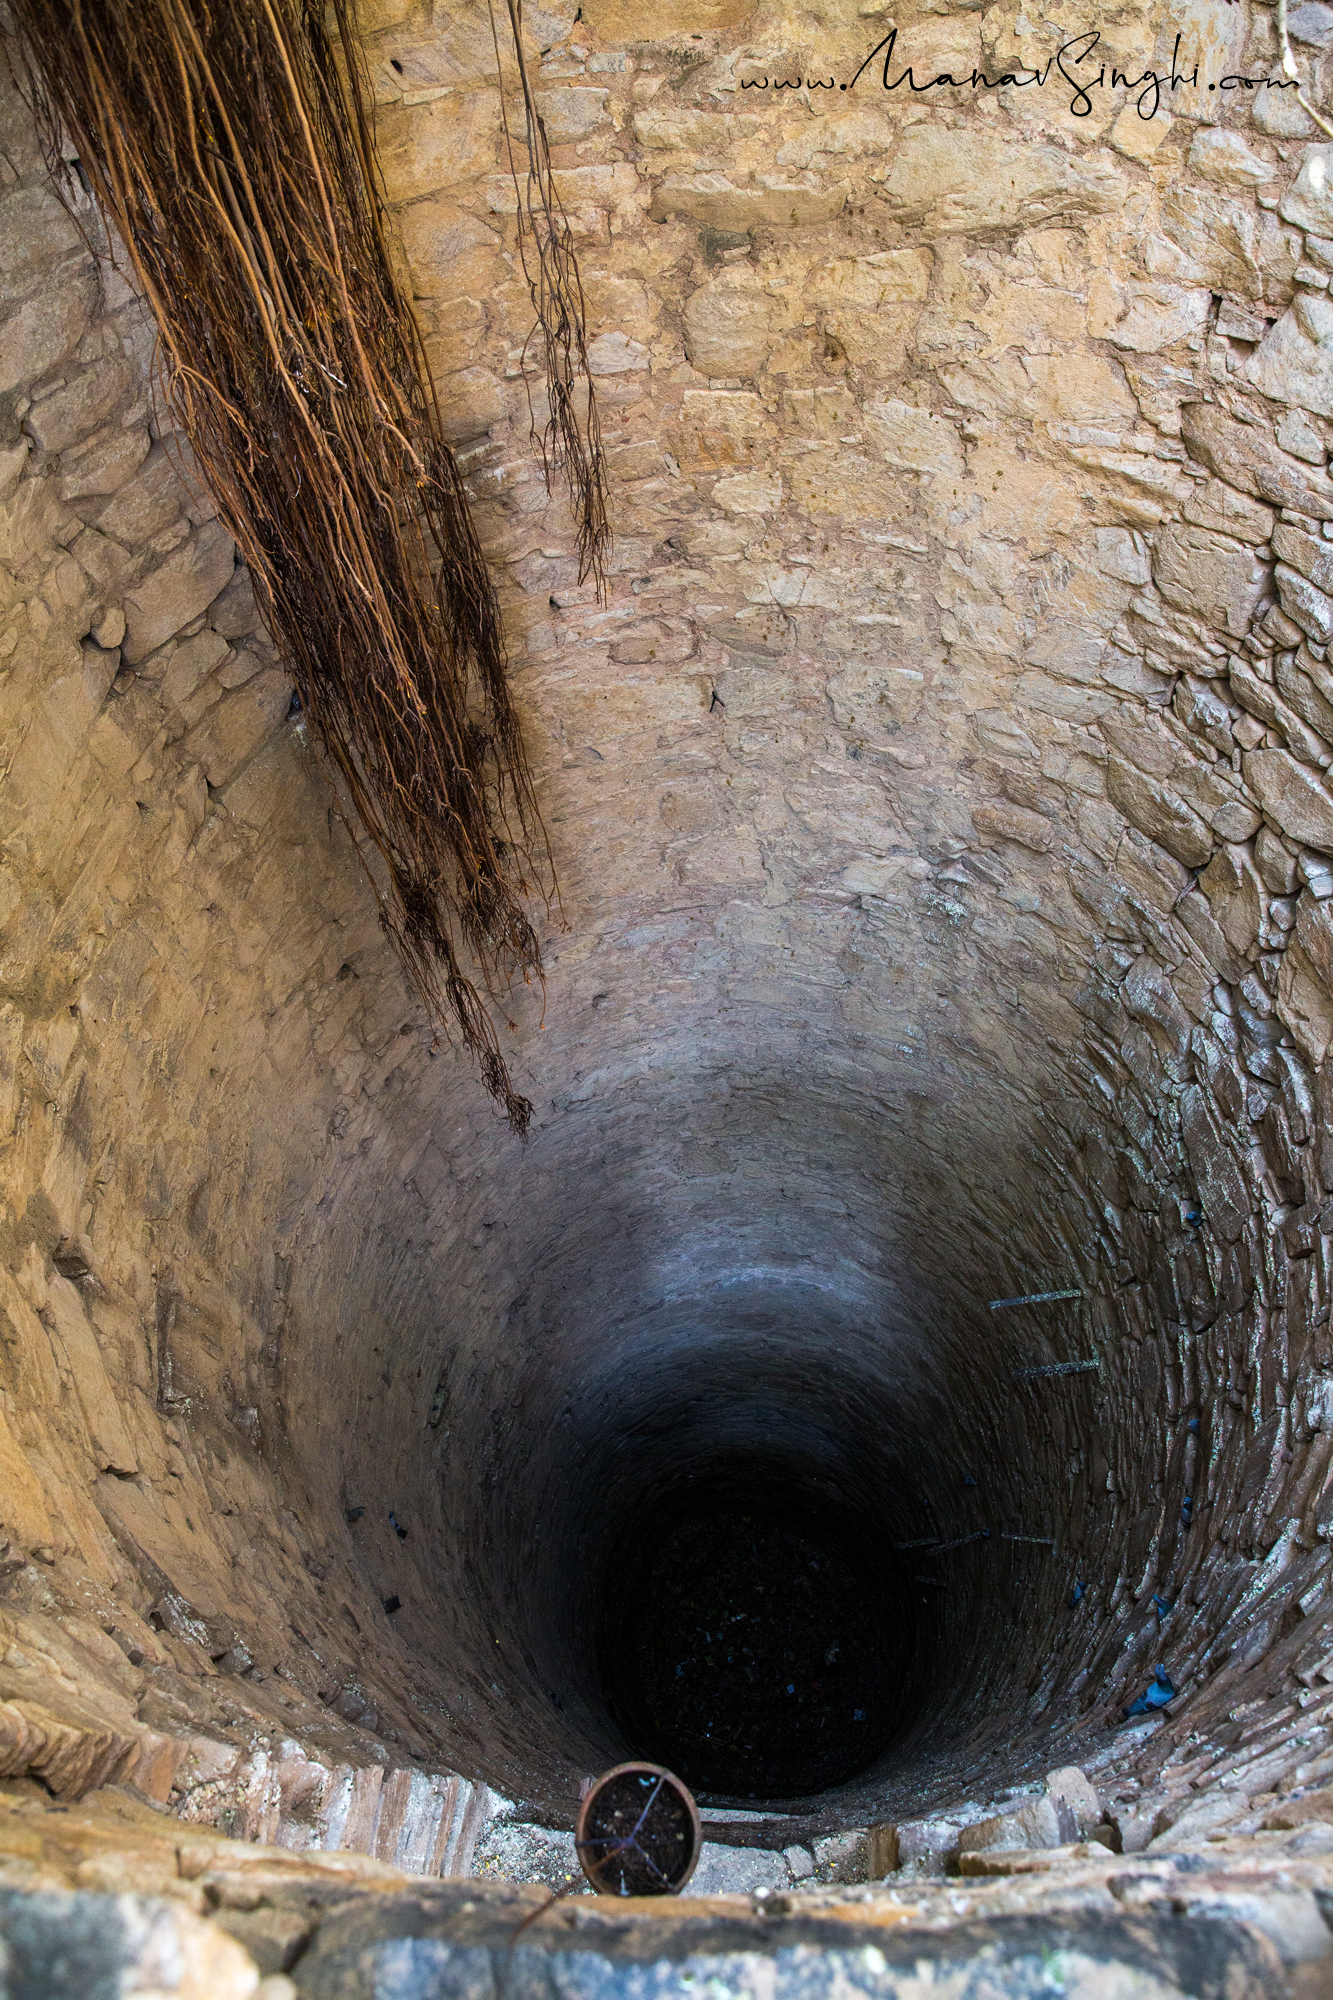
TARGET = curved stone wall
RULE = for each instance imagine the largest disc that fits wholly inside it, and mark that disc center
(940, 808)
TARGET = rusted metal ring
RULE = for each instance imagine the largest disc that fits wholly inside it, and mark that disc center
(638, 1832)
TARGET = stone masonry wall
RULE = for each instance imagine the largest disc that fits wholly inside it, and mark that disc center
(946, 851)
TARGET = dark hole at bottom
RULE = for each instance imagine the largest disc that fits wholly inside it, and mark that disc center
(756, 1657)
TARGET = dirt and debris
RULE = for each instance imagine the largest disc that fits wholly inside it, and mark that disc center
(753, 1659)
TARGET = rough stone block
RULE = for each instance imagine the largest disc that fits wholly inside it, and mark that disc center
(235, 727)
(28, 522)
(1203, 710)
(1215, 239)
(1277, 113)
(1310, 554)
(147, 503)
(39, 235)
(61, 419)
(1235, 896)
(1309, 607)
(1007, 822)
(1156, 810)
(58, 1944)
(43, 331)
(891, 277)
(699, 132)
(971, 180)
(837, 136)
(573, 114)
(1261, 700)
(273, 1938)
(927, 1843)
(112, 1444)
(1314, 934)
(361, 1811)
(912, 437)
(1299, 1812)
(1224, 156)
(884, 878)
(70, 1760)
(1038, 1823)
(105, 563)
(1220, 580)
(840, 482)
(729, 327)
(103, 464)
(1293, 363)
(1214, 504)
(178, 590)
(1298, 686)
(749, 493)
(623, 21)
(723, 427)
(1248, 459)
(515, 1851)
(1138, 138)
(156, 1764)
(844, 1857)
(1293, 796)
(1308, 203)
(602, 187)
(766, 203)
(24, 1514)
(1044, 388)
(471, 401)
(1296, 434)
(1276, 866)
(1070, 1786)
(616, 354)
(425, 147)
(13, 458)
(1148, 316)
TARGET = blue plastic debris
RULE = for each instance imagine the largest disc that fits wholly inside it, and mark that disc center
(1187, 1510)
(1194, 1217)
(1193, 1427)
(397, 1526)
(1077, 1598)
(1159, 1692)
(1162, 1607)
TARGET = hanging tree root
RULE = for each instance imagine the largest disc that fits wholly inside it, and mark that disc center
(570, 439)
(1290, 70)
(234, 157)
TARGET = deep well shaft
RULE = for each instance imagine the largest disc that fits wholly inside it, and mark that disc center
(941, 812)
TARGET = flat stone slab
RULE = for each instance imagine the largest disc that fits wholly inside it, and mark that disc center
(451, 1944)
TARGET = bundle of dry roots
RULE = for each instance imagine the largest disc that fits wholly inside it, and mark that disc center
(232, 150)
(571, 437)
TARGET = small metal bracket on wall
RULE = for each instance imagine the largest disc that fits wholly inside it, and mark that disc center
(1092, 1367)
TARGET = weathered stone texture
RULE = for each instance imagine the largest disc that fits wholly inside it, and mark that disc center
(940, 803)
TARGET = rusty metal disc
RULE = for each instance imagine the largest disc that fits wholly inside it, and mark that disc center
(638, 1832)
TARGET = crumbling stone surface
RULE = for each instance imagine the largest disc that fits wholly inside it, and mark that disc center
(463, 1940)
